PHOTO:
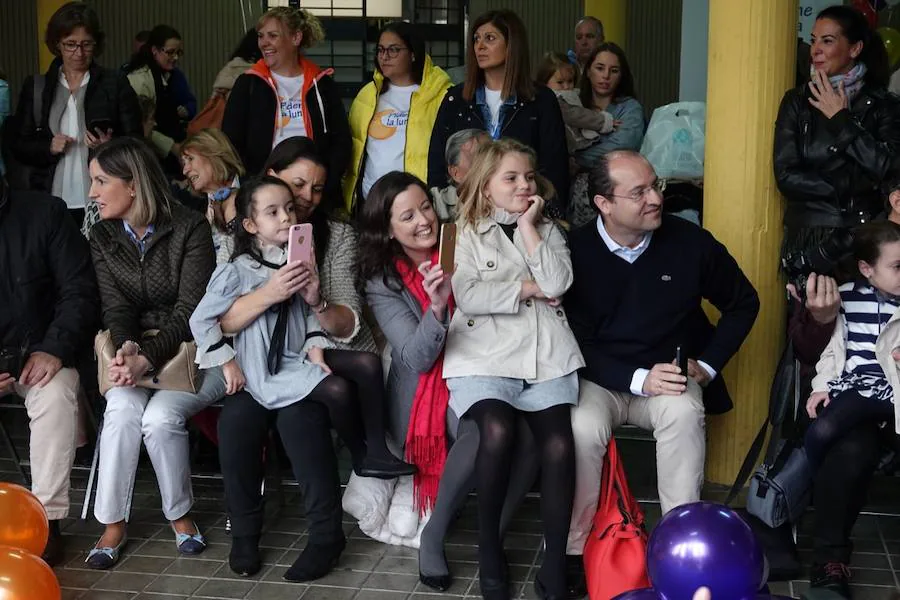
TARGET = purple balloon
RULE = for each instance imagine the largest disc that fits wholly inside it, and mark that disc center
(704, 544)
(641, 594)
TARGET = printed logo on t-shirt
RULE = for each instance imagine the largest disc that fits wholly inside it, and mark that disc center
(384, 124)
(291, 110)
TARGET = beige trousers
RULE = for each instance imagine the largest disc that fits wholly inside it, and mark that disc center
(678, 425)
(55, 433)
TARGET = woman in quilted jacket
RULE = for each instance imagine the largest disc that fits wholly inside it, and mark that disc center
(153, 259)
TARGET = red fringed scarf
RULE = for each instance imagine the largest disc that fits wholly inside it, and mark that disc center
(426, 438)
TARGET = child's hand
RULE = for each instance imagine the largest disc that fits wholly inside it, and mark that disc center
(815, 399)
(317, 357)
(234, 377)
(895, 354)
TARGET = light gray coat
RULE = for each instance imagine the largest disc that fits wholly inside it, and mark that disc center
(416, 340)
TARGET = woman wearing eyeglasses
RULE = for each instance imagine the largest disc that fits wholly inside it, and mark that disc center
(392, 117)
(81, 105)
(153, 74)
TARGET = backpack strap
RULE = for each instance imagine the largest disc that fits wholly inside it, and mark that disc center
(38, 98)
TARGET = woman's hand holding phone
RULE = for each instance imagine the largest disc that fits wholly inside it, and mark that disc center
(437, 286)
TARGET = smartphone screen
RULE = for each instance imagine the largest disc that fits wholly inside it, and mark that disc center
(447, 252)
(300, 243)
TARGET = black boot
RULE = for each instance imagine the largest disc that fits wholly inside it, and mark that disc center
(832, 576)
(244, 557)
(576, 582)
(387, 467)
(53, 552)
(316, 561)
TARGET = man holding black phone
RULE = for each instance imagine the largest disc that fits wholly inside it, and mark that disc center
(635, 309)
(50, 312)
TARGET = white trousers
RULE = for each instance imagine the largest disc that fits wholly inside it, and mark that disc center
(157, 417)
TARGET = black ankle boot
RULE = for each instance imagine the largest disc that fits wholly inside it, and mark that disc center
(387, 467)
(316, 561)
(244, 557)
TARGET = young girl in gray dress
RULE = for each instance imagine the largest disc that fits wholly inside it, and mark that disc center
(286, 359)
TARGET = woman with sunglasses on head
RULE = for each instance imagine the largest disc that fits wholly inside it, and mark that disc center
(82, 105)
(392, 117)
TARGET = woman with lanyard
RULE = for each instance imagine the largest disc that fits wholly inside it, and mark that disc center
(285, 95)
(392, 117)
(212, 167)
(499, 96)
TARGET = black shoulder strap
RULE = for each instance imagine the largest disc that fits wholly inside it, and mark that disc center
(784, 392)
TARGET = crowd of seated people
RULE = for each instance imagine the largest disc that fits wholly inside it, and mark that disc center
(510, 369)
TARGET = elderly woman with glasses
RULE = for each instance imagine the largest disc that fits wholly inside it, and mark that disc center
(80, 105)
(392, 117)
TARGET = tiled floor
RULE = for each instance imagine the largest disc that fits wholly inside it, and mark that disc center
(368, 570)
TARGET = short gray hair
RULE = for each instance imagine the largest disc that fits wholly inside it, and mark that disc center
(597, 23)
(456, 141)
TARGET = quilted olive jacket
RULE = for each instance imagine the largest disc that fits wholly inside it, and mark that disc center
(158, 291)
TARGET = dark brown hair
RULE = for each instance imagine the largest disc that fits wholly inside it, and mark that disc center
(67, 19)
(283, 155)
(856, 28)
(243, 207)
(377, 251)
(869, 238)
(415, 46)
(625, 89)
(518, 67)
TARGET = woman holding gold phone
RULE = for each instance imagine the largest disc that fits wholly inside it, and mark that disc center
(392, 117)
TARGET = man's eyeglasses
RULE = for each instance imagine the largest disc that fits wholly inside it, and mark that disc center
(71, 47)
(641, 193)
(390, 51)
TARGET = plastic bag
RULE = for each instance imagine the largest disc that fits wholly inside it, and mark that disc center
(675, 140)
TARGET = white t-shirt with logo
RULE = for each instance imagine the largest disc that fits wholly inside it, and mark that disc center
(494, 101)
(290, 108)
(387, 134)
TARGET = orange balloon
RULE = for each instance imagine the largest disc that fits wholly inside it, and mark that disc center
(24, 576)
(23, 520)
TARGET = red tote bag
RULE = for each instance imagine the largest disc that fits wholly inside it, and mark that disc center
(615, 556)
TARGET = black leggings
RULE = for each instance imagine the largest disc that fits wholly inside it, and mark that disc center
(552, 429)
(846, 411)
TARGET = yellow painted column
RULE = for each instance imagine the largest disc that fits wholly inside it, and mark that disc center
(613, 14)
(752, 45)
(45, 10)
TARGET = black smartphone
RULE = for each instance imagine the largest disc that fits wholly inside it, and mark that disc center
(681, 360)
(100, 125)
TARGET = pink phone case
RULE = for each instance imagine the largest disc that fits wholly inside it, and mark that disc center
(300, 243)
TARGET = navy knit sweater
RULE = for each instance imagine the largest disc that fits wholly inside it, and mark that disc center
(630, 316)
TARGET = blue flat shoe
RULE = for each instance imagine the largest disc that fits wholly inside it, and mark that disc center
(105, 557)
(190, 544)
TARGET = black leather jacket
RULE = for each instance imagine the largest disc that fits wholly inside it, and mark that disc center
(829, 170)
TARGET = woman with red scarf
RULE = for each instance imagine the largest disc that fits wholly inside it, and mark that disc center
(410, 297)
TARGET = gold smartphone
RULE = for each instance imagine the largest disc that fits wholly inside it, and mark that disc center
(447, 251)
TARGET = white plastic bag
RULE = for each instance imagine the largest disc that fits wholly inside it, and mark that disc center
(675, 140)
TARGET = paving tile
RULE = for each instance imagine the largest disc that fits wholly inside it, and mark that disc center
(176, 584)
(224, 589)
(124, 582)
(316, 592)
(391, 582)
(276, 591)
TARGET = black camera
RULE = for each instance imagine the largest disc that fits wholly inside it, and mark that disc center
(12, 360)
(822, 259)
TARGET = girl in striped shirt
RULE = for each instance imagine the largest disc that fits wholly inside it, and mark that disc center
(857, 377)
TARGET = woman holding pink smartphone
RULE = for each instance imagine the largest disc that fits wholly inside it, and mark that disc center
(288, 362)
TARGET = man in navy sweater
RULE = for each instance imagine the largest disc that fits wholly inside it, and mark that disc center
(639, 280)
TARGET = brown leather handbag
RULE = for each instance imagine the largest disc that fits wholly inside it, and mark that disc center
(179, 374)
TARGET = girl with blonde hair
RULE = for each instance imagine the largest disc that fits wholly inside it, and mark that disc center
(510, 351)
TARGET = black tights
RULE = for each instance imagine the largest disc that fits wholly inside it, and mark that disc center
(355, 374)
(552, 429)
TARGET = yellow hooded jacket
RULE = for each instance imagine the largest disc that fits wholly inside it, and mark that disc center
(423, 111)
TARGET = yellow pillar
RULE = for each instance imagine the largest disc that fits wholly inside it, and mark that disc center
(45, 10)
(752, 44)
(613, 14)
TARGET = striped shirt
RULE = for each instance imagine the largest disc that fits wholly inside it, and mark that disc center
(866, 312)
